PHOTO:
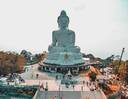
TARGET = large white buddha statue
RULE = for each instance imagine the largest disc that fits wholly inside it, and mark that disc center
(63, 51)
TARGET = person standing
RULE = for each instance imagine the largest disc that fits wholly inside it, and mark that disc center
(81, 88)
(46, 89)
(73, 87)
(42, 86)
(55, 97)
(37, 76)
(52, 97)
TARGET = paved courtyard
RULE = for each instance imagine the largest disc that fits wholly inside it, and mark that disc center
(43, 78)
(56, 89)
(32, 71)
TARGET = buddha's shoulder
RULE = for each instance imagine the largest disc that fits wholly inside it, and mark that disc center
(71, 31)
(55, 31)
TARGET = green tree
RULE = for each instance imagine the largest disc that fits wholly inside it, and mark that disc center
(93, 76)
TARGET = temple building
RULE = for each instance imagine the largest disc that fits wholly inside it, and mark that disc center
(63, 55)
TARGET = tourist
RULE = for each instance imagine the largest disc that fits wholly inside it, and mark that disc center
(73, 87)
(81, 88)
(92, 87)
(56, 77)
(59, 89)
(83, 82)
(42, 86)
(37, 75)
(52, 97)
(87, 84)
(32, 75)
(63, 76)
(55, 97)
(46, 89)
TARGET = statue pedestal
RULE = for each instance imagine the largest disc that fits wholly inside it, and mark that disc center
(74, 69)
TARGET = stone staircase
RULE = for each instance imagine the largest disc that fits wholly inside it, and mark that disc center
(71, 94)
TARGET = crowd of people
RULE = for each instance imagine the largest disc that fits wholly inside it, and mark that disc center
(55, 97)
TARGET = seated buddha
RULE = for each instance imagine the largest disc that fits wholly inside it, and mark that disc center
(63, 39)
(63, 51)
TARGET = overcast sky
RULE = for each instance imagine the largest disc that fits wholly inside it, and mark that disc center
(101, 26)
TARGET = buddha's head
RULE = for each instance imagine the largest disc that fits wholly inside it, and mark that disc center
(63, 20)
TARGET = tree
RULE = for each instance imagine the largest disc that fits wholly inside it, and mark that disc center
(126, 78)
(126, 74)
(93, 76)
(10, 62)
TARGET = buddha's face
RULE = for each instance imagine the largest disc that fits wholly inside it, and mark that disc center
(63, 22)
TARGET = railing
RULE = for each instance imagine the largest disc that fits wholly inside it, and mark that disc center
(34, 97)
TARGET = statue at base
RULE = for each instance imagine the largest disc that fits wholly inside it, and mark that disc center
(63, 51)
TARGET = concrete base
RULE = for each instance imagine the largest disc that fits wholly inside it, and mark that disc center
(74, 69)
